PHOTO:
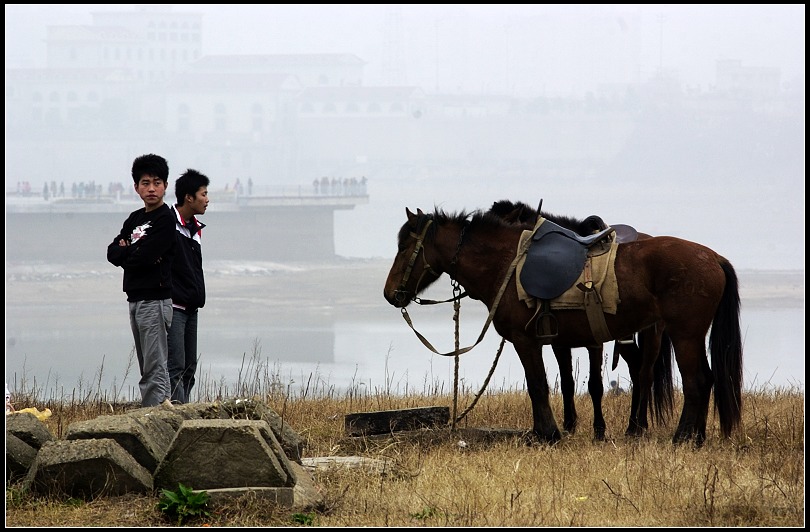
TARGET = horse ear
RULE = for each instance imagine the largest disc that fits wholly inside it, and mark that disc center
(411, 216)
(419, 212)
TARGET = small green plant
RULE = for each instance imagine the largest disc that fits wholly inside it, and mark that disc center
(183, 504)
(304, 519)
(74, 502)
(426, 513)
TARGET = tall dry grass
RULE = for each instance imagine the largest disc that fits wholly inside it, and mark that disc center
(755, 478)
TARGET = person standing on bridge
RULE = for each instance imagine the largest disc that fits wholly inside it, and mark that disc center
(188, 282)
(144, 248)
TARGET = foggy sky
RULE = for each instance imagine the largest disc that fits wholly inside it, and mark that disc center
(475, 48)
(526, 51)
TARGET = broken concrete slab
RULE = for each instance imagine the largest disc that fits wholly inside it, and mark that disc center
(215, 453)
(381, 466)
(306, 494)
(86, 468)
(28, 428)
(107, 449)
(19, 457)
(280, 496)
(290, 441)
(143, 433)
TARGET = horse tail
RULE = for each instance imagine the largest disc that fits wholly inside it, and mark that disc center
(663, 402)
(725, 344)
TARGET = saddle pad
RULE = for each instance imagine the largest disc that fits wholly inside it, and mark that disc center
(603, 274)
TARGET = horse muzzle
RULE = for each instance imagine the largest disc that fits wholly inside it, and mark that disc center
(399, 298)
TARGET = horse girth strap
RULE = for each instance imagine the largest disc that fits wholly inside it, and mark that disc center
(491, 315)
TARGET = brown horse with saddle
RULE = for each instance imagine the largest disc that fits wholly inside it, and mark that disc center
(683, 285)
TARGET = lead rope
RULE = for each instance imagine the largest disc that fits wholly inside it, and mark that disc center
(457, 320)
(456, 360)
(457, 305)
(483, 386)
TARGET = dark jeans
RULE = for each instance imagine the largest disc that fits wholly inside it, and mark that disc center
(182, 354)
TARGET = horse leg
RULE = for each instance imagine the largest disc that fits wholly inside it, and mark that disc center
(645, 356)
(544, 426)
(638, 416)
(597, 389)
(697, 381)
(661, 401)
(564, 363)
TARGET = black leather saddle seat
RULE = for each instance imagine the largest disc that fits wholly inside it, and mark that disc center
(555, 259)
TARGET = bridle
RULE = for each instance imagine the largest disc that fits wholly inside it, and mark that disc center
(401, 293)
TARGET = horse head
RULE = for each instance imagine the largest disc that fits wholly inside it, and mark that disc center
(408, 275)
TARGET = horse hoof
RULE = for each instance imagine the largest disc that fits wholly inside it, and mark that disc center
(634, 432)
(534, 437)
(697, 439)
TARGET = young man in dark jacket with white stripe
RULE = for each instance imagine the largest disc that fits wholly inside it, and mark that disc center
(144, 248)
(188, 282)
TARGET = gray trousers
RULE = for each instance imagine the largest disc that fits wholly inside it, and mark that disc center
(150, 321)
(182, 354)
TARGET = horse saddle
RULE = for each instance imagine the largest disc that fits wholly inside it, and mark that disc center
(625, 233)
(556, 258)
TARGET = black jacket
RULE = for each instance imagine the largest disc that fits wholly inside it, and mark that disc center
(147, 260)
(188, 282)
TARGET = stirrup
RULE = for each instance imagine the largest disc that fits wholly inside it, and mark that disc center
(546, 327)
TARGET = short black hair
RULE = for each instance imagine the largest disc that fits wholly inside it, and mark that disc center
(189, 183)
(150, 164)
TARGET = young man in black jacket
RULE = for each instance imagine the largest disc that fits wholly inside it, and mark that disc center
(188, 282)
(144, 248)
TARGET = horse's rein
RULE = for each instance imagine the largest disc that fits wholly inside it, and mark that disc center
(507, 277)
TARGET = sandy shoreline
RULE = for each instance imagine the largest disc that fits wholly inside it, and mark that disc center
(343, 285)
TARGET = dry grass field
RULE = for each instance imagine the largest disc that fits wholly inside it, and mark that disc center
(755, 478)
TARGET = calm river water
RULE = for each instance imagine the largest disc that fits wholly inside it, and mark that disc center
(340, 351)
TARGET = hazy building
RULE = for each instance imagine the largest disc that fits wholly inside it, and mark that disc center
(136, 81)
(151, 43)
(757, 82)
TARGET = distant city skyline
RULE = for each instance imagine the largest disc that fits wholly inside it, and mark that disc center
(520, 50)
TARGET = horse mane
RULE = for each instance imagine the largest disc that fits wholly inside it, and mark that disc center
(521, 213)
(473, 219)
(501, 214)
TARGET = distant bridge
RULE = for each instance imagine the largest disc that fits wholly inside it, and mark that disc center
(278, 224)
